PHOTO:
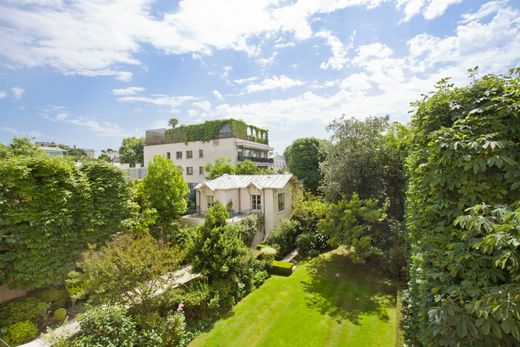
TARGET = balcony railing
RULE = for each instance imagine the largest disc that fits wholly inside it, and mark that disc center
(255, 159)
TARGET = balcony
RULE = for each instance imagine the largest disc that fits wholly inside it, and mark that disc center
(255, 159)
(198, 216)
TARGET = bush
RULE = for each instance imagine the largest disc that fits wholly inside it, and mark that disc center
(311, 244)
(284, 236)
(60, 314)
(108, 326)
(282, 268)
(248, 227)
(24, 309)
(57, 297)
(21, 332)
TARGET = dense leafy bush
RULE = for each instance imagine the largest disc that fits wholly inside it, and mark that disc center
(308, 212)
(21, 332)
(311, 244)
(248, 227)
(57, 297)
(303, 158)
(50, 210)
(283, 268)
(22, 309)
(284, 237)
(465, 150)
(60, 314)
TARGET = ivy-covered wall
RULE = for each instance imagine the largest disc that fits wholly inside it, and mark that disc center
(209, 130)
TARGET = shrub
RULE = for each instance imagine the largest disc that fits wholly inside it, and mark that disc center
(248, 227)
(22, 309)
(57, 297)
(282, 268)
(60, 314)
(109, 326)
(21, 332)
(285, 237)
(311, 244)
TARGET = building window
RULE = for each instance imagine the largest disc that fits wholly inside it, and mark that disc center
(256, 202)
(201, 153)
(168, 155)
(201, 170)
(178, 155)
(210, 200)
(189, 170)
(281, 202)
(189, 154)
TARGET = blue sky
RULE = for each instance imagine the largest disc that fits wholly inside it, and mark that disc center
(92, 72)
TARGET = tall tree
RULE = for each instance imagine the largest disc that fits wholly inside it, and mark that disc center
(220, 167)
(247, 168)
(132, 150)
(303, 158)
(173, 122)
(166, 190)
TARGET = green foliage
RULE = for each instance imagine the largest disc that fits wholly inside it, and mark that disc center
(128, 270)
(132, 151)
(170, 330)
(21, 332)
(144, 215)
(247, 167)
(109, 326)
(23, 309)
(57, 297)
(311, 244)
(308, 212)
(220, 167)
(366, 157)
(210, 130)
(166, 190)
(283, 268)
(303, 158)
(23, 146)
(284, 236)
(356, 224)
(464, 150)
(216, 216)
(60, 314)
(248, 226)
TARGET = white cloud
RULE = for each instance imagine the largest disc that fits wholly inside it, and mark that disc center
(127, 91)
(267, 61)
(16, 132)
(203, 105)
(218, 95)
(276, 82)
(173, 102)
(100, 128)
(246, 80)
(2, 94)
(339, 51)
(95, 38)
(430, 9)
(17, 92)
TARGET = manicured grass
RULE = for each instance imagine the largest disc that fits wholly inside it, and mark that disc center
(326, 302)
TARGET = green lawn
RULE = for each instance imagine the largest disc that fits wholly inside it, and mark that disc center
(325, 302)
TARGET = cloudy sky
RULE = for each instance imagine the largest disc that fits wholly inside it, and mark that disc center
(92, 72)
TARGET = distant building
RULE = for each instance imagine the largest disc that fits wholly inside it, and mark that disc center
(191, 147)
(53, 151)
(270, 195)
(91, 153)
(279, 163)
(113, 155)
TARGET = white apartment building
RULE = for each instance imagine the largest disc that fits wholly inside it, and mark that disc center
(192, 156)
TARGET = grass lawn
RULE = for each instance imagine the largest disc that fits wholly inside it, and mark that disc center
(326, 302)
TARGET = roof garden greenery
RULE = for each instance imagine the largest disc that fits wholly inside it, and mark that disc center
(215, 129)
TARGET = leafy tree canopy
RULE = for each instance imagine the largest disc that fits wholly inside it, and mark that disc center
(303, 158)
(132, 150)
(220, 167)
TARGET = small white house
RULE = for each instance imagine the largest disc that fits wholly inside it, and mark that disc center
(270, 195)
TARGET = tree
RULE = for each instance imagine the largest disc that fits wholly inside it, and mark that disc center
(173, 122)
(366, 157)
(462, 215)
(132, 150)
(303, 158)
(166, 190)
(247, 167)
(216, 216)
(22, 146)
(220, 167)
(128, 271)
(357, 225)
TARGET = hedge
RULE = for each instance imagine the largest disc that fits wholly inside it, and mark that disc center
(282, 268)
(209, 130)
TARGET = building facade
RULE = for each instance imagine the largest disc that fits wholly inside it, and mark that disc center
(217, 139)
(269, 195)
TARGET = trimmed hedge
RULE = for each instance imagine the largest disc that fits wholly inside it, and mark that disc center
(21, 332)
(22, 309)
(209, 130)
(282, 268)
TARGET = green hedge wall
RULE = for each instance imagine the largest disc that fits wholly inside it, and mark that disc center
(209, 130)
(283, 268)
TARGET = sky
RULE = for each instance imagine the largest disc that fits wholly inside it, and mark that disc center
(89, 73)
